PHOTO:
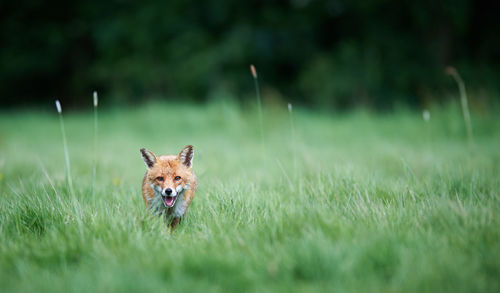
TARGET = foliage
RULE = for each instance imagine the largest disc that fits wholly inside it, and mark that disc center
(332, 53)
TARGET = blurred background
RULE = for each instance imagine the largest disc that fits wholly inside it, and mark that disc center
(334, 54)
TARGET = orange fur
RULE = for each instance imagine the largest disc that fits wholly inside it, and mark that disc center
(168, 168)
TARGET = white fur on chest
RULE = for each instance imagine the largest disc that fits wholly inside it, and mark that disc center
(180, 206)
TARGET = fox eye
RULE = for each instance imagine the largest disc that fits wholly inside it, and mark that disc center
(159, 178)
(177, 178)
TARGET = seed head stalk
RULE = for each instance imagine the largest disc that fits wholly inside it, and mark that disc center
(259, 102)
(94, 177)
(293, 142)
(65, 146)
(259, 109)
(463, 101)
(76, 205)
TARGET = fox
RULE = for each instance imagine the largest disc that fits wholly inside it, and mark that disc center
(169, 184)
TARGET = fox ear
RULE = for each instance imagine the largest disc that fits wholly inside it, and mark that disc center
(186, 156)
(148, 157)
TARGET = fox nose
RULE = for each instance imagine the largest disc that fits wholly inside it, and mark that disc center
(168, 191)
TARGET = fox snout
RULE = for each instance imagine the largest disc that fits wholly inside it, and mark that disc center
(171, 191)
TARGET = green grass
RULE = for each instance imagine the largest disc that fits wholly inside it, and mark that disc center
(381, 203)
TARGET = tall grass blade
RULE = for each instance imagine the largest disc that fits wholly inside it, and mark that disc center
(65, 146)
(76, 205)
(259, 105)
(293, 142)
(94, 173)
(463, 101)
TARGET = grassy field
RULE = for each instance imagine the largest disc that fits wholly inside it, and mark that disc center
(349, 202)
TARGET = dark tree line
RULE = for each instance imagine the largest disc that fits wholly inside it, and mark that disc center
(334, 53)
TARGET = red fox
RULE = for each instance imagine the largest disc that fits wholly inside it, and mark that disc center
(169, 184)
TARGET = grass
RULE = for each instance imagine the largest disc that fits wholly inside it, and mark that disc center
(384, 203)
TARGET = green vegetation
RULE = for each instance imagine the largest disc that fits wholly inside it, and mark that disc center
(335, 53)
(386, 203)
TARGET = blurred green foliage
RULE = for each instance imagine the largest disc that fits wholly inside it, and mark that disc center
(335, 53)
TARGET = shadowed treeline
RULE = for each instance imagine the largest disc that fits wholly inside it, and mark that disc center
(336, 54)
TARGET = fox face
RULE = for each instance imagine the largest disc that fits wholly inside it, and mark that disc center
(167, 179)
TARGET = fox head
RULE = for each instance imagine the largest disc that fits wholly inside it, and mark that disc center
(168, 176)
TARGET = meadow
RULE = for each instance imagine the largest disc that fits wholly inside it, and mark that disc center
(322, 201)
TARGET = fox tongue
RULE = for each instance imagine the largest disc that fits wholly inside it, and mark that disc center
(169, 201)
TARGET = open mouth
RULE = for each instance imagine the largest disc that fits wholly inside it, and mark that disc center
(169, 201)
